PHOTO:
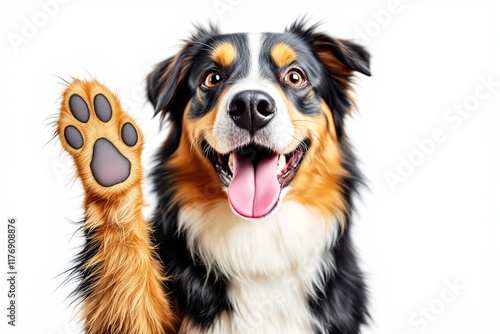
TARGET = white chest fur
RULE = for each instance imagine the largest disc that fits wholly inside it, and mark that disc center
(273, 264)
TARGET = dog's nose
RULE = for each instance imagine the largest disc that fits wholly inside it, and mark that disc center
(252, 110)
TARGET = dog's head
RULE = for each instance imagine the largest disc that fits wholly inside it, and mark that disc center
(257, 119)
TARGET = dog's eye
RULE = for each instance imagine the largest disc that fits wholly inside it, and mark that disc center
(212, 79)
(295, 78)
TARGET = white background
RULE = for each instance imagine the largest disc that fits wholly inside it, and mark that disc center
(439, 224)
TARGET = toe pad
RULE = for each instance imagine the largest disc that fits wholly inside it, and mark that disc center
(102, 107)
(129, 134)
(79, 108)
(73, 137)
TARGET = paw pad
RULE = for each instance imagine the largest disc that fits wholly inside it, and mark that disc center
(102, 108)
(108, 165)
(79, 108)
(73, 137)
(129, 135)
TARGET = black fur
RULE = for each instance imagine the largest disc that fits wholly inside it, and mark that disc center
(341, 304)
(81, 272)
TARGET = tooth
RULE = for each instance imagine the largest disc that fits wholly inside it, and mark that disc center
(281, 164)
(230, 162)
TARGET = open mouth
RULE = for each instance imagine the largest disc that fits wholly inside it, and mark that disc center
(255, 175)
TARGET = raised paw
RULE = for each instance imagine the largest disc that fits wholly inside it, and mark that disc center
(104, 141)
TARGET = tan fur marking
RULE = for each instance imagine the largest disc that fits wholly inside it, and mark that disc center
(224, 54)
(283, 54)
(318, 182)
(196, 182)
(127, 296)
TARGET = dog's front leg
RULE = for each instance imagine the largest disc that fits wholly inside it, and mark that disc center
(121, 282)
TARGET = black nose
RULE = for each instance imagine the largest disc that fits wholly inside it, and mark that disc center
(252, 110)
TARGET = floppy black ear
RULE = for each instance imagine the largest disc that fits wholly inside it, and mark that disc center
(341, 57)
(166, 83)
(338, 55)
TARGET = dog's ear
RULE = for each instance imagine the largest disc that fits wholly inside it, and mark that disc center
(167, 86)
(341, 57)
(165, 83)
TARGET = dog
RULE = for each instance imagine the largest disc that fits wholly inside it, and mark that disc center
(254, 187)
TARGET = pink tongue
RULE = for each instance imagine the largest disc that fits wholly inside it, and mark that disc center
(254, 191)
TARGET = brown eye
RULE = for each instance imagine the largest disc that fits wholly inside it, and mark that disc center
(295, 78)
(212, 79)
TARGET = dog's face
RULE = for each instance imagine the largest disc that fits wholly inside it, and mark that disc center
(258, 119)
